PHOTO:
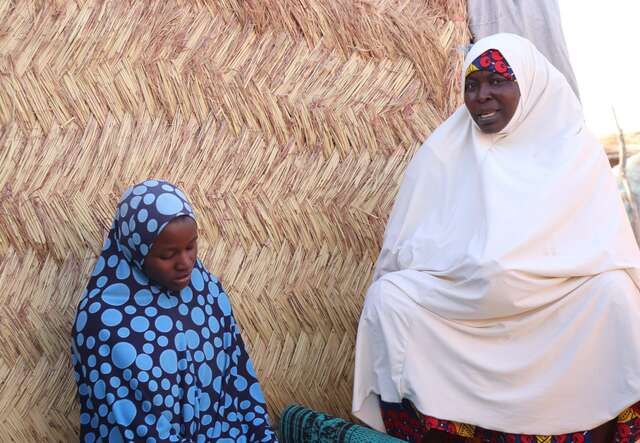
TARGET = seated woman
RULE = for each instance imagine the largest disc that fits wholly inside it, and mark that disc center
(158, 356)
(505, 302)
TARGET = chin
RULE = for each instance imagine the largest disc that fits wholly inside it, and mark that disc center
(491, 129)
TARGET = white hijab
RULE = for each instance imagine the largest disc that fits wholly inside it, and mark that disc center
(486, 230)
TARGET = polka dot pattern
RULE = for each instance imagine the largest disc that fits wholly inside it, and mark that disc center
(153, 365)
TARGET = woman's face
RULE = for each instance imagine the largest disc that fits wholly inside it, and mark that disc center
(173, 255)
(491, 100)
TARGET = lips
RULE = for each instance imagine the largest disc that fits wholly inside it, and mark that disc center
(487, 117)
(182, 279)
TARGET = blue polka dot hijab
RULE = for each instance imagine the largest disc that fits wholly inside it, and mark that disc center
(153, 365)
(144, 211)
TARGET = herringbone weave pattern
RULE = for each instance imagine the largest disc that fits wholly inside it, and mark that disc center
(287, 122)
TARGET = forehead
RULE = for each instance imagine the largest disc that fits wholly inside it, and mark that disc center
(178, 231)
(481, 75)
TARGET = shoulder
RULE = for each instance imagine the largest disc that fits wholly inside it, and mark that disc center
(215, 292)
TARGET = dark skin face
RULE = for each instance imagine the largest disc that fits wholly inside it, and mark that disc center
(173, 255)
(491, 100)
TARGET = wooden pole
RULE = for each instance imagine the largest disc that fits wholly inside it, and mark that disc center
(628, 195)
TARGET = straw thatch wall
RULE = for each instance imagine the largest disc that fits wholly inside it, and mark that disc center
(288, 123)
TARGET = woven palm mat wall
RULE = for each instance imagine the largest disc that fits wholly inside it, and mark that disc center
(287, 122)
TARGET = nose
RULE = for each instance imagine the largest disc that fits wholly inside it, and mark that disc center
(484, 92)
(183, 262)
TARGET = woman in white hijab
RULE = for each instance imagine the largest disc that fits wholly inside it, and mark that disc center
(505, 302)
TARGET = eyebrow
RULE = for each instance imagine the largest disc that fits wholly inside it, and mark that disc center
(173, 248)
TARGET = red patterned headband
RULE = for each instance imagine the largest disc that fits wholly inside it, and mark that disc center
(493, 61)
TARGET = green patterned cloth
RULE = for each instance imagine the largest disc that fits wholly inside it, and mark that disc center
(301, 425)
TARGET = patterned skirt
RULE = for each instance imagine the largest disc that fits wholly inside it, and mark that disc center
(403, 421)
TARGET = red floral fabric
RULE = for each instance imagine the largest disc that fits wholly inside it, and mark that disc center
(403, 421)
(492, 60)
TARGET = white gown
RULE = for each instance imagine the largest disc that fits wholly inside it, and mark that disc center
(506, 292)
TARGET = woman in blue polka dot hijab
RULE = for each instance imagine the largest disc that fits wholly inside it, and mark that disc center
(158, 356)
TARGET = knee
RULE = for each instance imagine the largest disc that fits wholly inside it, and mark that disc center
(385, 299)
(614, 282)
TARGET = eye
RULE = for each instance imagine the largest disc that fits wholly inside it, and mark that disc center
(497, 81)
(166, 256)
(469, 86)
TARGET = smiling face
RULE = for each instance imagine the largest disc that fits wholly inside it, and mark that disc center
(173, 255)
(491, 99)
